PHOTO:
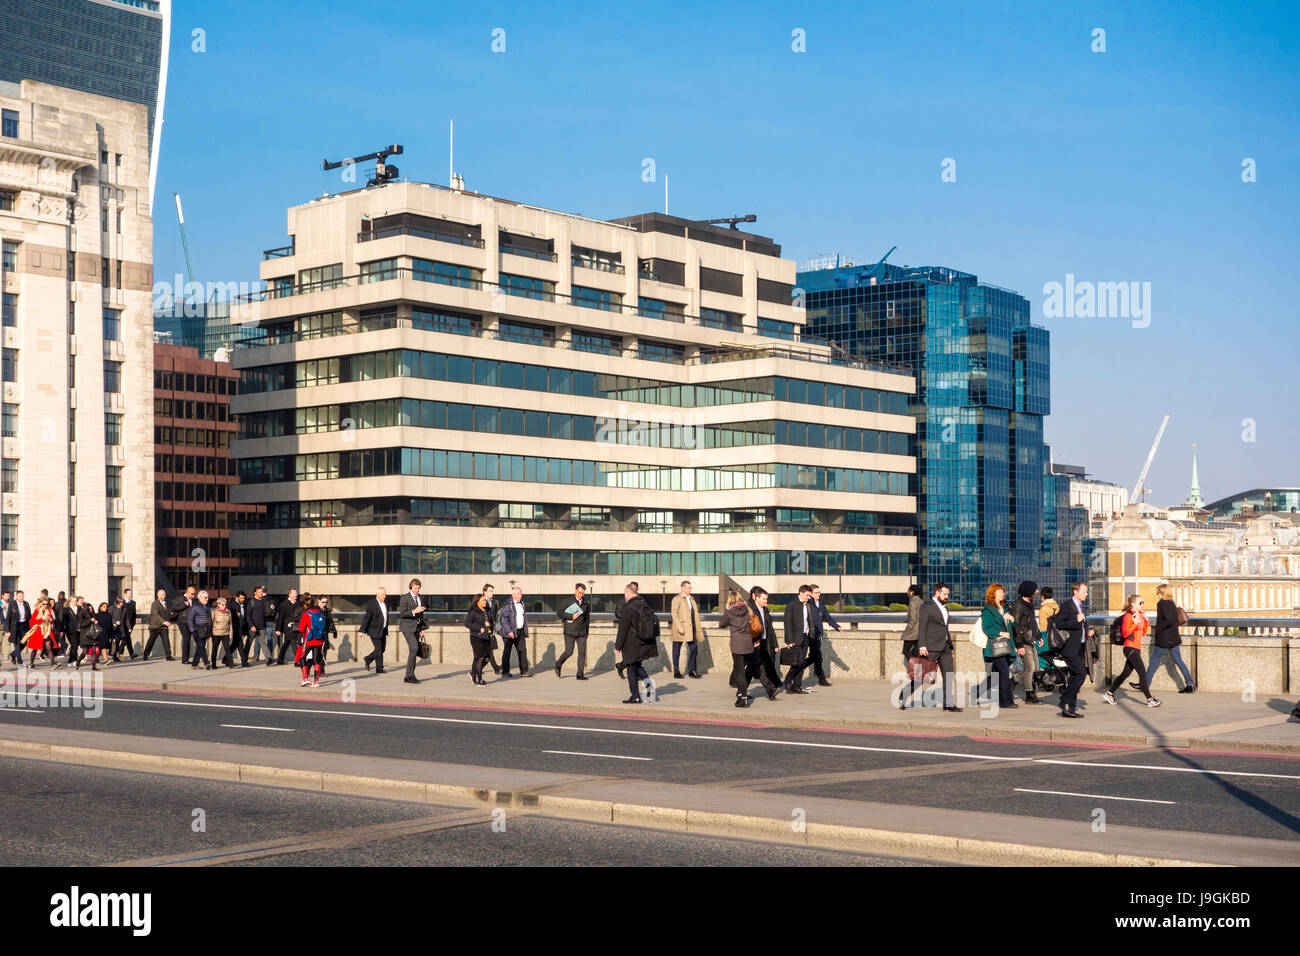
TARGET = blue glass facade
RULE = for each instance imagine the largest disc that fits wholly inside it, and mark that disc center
(982, 375)
(111, 48)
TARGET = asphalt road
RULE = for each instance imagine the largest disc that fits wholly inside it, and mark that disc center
(88, 816)
(1233, 794)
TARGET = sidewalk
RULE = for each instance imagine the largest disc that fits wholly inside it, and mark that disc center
(1200, 721)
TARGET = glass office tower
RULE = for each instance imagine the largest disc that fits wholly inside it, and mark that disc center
(982, 389)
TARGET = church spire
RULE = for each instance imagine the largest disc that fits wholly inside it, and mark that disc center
(1194, 496)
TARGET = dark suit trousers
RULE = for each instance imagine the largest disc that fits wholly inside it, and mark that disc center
(768, 661)
(376, 656)
(794, 676)
(238, 646)
(569, 643)
(413, 643)
(815, 657)
(518, 643)
(288, 642)
(1073, 654)
(692, 651)
(158, 634)
(185, 642)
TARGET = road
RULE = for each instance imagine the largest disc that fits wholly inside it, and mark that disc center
(1226, 793)
(87, 816)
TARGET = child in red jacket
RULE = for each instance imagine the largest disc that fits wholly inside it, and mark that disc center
(311, 650)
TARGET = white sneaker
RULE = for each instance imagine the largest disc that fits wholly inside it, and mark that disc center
(1152, 702)
(304, 683)
(1108, 697)
(315, 683)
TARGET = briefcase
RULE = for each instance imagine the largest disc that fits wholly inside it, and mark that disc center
(789, 655)
(920, 668)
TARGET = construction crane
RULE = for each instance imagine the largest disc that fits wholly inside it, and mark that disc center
(878, 270)
(729, 220)
(384, 172)
(185, 242)
(1151, 456)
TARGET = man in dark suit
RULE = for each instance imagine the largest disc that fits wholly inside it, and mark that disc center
(822, 618)
(935, 641)
(1072, 621)
(179, 612)
(159, 624)
(128, 624)
(512, 625)
(768, 646)
(238, 630)
(410, 616)
(576, 626)
(17, 622)
(799, 617)
(374, 624)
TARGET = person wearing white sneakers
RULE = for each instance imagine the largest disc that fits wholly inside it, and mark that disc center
(1134, 626)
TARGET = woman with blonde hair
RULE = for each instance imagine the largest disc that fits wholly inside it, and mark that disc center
(1167, 638)
(40, 636)
(1134, 626)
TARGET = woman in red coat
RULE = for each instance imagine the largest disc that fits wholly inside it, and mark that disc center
(40, 637)
(311, 649)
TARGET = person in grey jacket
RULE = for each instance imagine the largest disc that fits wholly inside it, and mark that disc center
(745, 659)
(410, 620)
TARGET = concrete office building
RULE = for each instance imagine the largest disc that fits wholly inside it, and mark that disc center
(76, 498)
(468, 389)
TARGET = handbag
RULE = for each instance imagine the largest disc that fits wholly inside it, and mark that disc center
(755, 625)
(999, 646)
(977, 635)
(789, 655)
(1182, 617)
(1055, 639)
(422, 651)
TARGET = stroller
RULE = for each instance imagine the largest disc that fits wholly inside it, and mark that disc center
(1054, 673)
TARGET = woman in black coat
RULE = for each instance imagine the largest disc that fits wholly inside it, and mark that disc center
(1167, 638)
(479, 624)
(745, 661)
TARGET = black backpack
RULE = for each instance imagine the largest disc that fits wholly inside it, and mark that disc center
(647, 624)
(1117, 630)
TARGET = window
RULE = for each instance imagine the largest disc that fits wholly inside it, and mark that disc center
(9, 123)
(112, 429)
(9, 421)
(9, 365)
(8, 310)
(718, 319)
(112, 376)
(773, 328)
(597, 299)
(112, 325)
(7, 201)
(103, 157)
(659, 309)
(379, 270)
(322, 277)
(527, 287)
(596, 342)
(113, 482)
(117, 283)
(451, 322)
(524, 332)
(72, 371)
(8, 256)
(9, 475)
(445, 273)
(8, 532)
(103, 272)
(115, 536)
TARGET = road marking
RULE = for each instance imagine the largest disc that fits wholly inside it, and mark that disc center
(579, 753)
(19, 710)
(1093, 796)
(283, 730)
(516, 725)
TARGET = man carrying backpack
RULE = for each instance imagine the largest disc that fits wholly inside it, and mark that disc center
(638, 640)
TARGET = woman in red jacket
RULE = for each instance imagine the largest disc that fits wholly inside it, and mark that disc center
(1134, 626)
(311, 648)
(40, 637)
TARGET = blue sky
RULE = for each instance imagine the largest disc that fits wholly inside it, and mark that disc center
(1117, 166)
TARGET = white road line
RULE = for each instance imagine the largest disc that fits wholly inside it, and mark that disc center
(19, 710)
(1093, 796)
(578, 753)
(678, 736)
(283, 730)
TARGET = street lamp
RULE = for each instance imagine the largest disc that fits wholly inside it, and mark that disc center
(963, 580)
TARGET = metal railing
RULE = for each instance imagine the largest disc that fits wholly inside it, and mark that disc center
(436, 234)
(616, 268)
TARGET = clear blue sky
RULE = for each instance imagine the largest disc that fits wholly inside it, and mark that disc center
(1115, 166)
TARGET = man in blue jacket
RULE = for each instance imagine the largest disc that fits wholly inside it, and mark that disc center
(821, 617)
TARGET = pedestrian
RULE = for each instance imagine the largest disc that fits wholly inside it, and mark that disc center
(115, 631)
(934, 641)
(910, 629)
(493, 611)
(746, 634)
(1026, 637)
(286, 625)
(221, 630)
(576, 617)
(768, 645)
(80, 618)
(687, 629)
(60, 606)
(1047, 610)
(821, 618)
(996, 623)
(410, 614)
(128, 616)
(1072, 621)
(5, 601)
(102, 642)
(312, 635)
(799, 626)
(17, 619)
(374, 624)
(479, 624)
(238, 630)
(331, 631)
(512, 623)
(40, 637)
(1167, 639)
(637, 641)
(258, 615)
(179, 609)
(199, 621)
(159, 624)
(1133, 627)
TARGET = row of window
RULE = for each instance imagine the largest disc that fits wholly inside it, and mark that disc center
(195, 382)
(196, 437)
(194, 465)
(439, 366)
(496, 561)
(421, 413)
(486, 466)
(191, 411)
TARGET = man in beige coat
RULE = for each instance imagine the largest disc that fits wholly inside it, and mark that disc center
(687, 629)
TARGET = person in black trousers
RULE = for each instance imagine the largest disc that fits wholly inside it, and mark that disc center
(576, 626)
(127, 626)
(822, 618)
(637, 641)
(1072, 621)
(286, 625)
(259, 618)
(374, 624)
(745, 662)
(159, 623)
(331, 631)
(238, 630)
(799, 617)
(934, 641)
(179, 610)
(493, 609)
(479, 625)
(768, 646)
(199, 620)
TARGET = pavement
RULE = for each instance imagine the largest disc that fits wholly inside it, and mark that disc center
(1202, 721)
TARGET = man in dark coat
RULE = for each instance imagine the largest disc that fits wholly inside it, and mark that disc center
(934, 640)
(1072, 621)
(800, 630)
(638, 633)
(374, 624)
(768, 646)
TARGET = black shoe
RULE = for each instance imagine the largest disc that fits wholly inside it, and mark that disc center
(367, 662)
(557, 670)
(495, 669)
(823, 682)
(505, 676)
(1032, 698)
(1011, 706)
(410, 680)
(1189, 689)
(582, 677)
(1296, 712)
(526, 674)
(800, 690)
(379, 670)
(742, 702)
(953, 710)
(693, 674)
(632, 700)
(772, 694)
(677, 675)
(1071, 713)
(269, 662)
(245, 664)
